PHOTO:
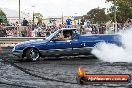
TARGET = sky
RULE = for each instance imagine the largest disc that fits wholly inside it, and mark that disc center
(55, 7)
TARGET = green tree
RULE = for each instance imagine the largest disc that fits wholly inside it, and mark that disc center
(39, 16)
(123, 9)
(97, 15)
(3, 18)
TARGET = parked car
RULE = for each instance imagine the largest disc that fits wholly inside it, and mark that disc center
(63, 42)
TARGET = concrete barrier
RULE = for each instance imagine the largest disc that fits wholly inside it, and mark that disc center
(11, 41)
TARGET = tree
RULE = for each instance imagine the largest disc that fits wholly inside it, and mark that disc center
(123, 9)
(39, 16)
(97, 15)
(3, 18)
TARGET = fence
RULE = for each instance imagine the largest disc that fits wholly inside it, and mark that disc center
(11, 41)
(22, 31)
(10, 35)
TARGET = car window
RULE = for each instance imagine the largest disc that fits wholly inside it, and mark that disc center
(63, 36)
(52, 35)
(75, 35)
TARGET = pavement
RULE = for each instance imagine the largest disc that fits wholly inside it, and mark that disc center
(56, 72)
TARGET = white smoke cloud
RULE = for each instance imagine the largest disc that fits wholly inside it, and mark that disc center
(113, 53)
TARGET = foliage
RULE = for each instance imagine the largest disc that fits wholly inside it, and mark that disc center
(123, 9)
(3, 18)
(39, 16)
(97, 15)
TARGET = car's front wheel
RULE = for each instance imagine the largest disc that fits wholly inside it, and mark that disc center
(32, 54)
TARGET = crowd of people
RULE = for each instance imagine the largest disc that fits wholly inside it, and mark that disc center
(23, 31)
(128, 24)
(42, 30)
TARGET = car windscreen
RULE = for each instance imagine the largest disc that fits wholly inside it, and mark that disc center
(52, 35)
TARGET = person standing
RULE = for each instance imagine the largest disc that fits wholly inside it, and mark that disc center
(82, 25)
(68, 22)
(25, 22)
(82, 21)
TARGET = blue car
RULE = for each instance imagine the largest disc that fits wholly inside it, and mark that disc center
(63, 42)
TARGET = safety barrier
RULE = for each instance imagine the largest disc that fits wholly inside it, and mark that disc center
(11, 41)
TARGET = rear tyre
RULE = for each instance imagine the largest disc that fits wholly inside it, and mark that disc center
(32, 54)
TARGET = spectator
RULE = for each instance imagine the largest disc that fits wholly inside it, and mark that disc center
(39, 32)
(68, 22)
(130, 24)
(16, 23)
(25, 22)
(48, 32)
(36, 32)
(102, 29)
(82, 21)
(43, 25)
(43, 34)
(87, 28)
(38, 24)
(94, 30)
(15, 32)
(3, 33)
(29, 31)
(24, 32)
(33, 33)
(82, 30)
(109, 30)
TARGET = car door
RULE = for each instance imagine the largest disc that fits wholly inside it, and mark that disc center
(59, 48)
(84, 45)
(88, 43)
(76, 46)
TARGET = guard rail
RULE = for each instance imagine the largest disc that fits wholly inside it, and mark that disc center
(11, 41)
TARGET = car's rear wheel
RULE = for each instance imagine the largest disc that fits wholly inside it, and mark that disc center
(32, 54)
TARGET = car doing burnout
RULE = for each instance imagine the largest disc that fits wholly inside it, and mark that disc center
(63, 42)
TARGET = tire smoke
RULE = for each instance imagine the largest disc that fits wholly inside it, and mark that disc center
(113, 53)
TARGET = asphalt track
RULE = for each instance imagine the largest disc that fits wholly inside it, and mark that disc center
(56, 72)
